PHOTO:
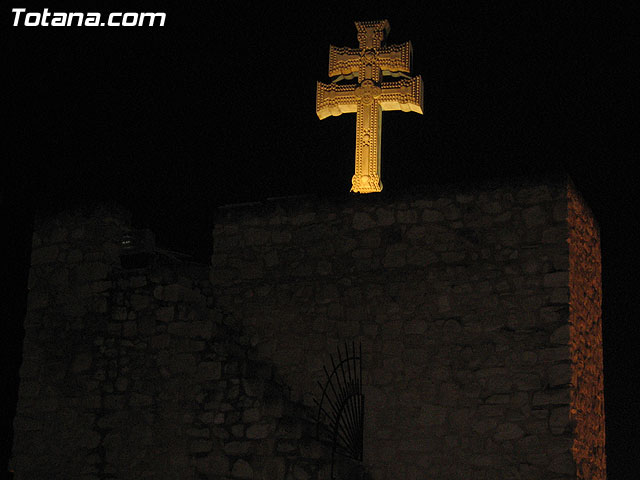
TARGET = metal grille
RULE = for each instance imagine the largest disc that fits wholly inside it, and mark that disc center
(340, 418)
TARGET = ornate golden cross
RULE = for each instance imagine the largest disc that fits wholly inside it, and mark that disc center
(370, 96)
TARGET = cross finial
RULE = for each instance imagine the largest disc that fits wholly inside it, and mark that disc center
(370, 96)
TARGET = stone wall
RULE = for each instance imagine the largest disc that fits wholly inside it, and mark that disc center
(461, 300)
(130, 373)
(585, 340)
(478, 311)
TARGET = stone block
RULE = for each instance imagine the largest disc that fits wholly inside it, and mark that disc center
(260, 430)
(209, 371)
(429, 215)
(484, 425)
(242, 469)
(556, 279)
(183, 363)
(160, 341)
(527, 381)
(200, 329)
(555, 353)
(88, 272)
(129, 329)
(81, 362)
(139, 302)
(46, 254)
(451, 212)
(432, 415)
(534, 216)
(559, 374)
(238, 449)
(407, 216)
(563, 464)
(200, 446)
(37, 300)
(216, 463)
(561, 335)
(180, 329)
(551, 397)
(508, 431)
(256, 236)
(140, 400)
(251, 415)
(299, 473)
(559, 295)
(559, 420)
(529, 444)
(280, 237)
(274, 468)
(288, 428)
(312, 449)
(121, 384)
(177, 293)
(286, 446)
(362, 221)
(385, 217)
(253, 387)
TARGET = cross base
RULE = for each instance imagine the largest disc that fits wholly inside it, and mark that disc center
(366, 184)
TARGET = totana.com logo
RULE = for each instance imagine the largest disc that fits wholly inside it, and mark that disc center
(89, 19)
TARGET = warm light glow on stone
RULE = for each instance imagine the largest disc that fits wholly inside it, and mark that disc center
(370, 96)
(585, 320)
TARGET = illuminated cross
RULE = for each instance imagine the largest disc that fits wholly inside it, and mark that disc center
(370, 96)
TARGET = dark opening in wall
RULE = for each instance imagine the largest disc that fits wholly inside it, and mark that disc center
(138, 248)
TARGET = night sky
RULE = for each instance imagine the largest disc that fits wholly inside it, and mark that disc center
(218, 107)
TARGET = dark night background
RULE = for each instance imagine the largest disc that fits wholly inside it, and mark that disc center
(218, 107)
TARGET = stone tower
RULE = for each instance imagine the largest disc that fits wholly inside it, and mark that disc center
(478, 310)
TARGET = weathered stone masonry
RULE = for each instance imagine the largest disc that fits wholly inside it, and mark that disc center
(132, 374)
(461, 299)
(585, 333)
(478, 310)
